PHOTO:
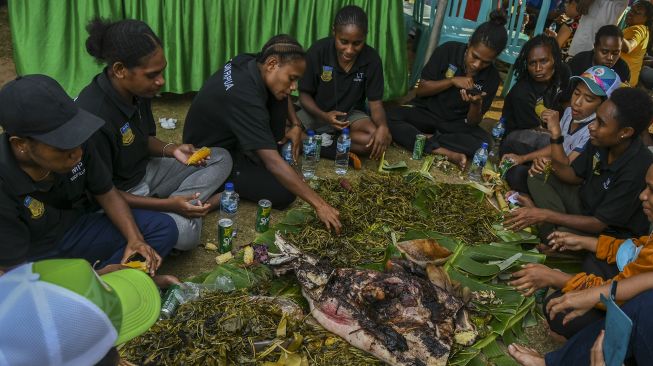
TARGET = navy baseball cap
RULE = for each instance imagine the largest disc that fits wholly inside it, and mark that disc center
(36, 106)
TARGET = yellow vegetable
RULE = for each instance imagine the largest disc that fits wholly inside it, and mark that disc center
(223, 258)
(539, 108)
(141, 266)
(198, 156)
(248, 255)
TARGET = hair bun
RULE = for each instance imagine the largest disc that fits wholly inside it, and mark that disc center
(498, 17)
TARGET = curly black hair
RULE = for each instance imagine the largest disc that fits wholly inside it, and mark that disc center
(634, 108)
(541, 40)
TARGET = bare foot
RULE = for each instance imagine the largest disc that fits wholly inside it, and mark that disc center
(525, 356)
(214, 201)
(454, 157)
(165, 281)
(557, 337)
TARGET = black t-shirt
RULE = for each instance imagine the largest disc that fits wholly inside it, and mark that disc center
(611, 192)
(525, 95)
(34, 216)
(235, 110)
(447, 61)
(332, 87)
(123, 140)
(583, 61)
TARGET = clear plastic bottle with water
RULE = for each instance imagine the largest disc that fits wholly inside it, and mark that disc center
(480, 158)
(310, 156)
(497, 135)
(286, 153)
(342, 152)
(229, 202)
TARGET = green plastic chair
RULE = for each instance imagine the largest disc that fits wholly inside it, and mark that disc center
(458, 28)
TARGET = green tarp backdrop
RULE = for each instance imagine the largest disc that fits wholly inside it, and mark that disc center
(198, 36)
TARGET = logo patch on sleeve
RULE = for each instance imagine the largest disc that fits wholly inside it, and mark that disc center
(327, 73)
(127, 134)
(451, 71)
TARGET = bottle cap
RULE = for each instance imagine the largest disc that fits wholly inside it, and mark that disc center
(484, 145)
(310, 133)
(228, 186)
(345, 131)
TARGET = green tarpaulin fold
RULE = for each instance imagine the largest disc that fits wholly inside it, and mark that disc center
(199, 36)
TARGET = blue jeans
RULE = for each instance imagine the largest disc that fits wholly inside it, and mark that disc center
(94, 237)
(576, 351)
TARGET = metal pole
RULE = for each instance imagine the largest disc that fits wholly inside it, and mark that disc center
(435, 30)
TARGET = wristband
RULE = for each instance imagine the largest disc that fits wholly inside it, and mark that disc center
(163, 151)
(613, 290)
(558, 140)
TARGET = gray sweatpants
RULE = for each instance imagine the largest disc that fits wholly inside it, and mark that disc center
(165, 177)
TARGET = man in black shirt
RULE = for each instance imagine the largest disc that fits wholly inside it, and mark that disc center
(606, 52)
(47, 173)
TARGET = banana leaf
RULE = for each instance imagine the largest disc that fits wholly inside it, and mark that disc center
(242, 277)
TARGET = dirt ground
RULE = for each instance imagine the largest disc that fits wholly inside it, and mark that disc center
(201, 260)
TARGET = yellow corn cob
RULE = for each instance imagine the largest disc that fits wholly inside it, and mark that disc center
(198, 156)
(139, 265)
(501, 201)
(539, 108)
(248, 255)
(223, 258)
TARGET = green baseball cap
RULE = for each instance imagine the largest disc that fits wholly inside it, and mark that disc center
(128, 297)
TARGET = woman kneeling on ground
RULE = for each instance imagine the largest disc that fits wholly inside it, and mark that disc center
(150, 173)
(456, 88)
(342, 71)
(244, 108)
(570, 134)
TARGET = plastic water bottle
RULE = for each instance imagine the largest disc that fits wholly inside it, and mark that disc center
(229, 202)
(497, 135)
(310, 156)
(480, 158)
(342, 152)
(286, 153)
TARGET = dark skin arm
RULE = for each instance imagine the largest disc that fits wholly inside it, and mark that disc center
(308, 103)
(120, 215)
(381, 137)
(186, 206)
(291, 181)
(427, 88)
(524, 217)
(294, 131)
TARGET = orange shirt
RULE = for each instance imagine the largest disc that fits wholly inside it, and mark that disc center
(635, 58)
(606, 249)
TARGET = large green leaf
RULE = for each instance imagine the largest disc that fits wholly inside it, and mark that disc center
(242, 277)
